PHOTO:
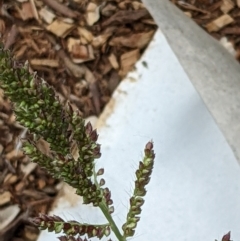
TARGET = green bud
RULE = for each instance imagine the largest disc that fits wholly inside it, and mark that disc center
(36, 106)
(107, 231)
(134, 219)
(140, 192)
(49, 118)
(56, 104)
(40, 102)
(111, 209)
(31, 84)
(14, 85)
(136, 211)
(141, 179)
(39, 128)
(58, 227)
(25, 83)
(44, 122)
(146, 171)
(128, 232)
(138, 202)
(148, 161)
(131, 225)
(27, 123)
(49, 140)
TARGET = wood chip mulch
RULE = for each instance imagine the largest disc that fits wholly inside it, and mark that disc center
(219, 18)
(83, 48)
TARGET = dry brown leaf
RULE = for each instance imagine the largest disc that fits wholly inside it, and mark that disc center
(219, 23)
(60, 28)
(74, 150)
(138, 40)
(43, 147)
(128, 60)
(47, 15)
(45, 62)
(113, 60)
(227, 5)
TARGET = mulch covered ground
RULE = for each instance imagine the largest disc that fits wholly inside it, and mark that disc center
(83, 48)
(219, 18)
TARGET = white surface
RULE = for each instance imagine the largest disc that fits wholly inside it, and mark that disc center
(194, 193)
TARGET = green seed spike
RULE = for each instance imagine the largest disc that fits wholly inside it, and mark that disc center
(53, 130)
